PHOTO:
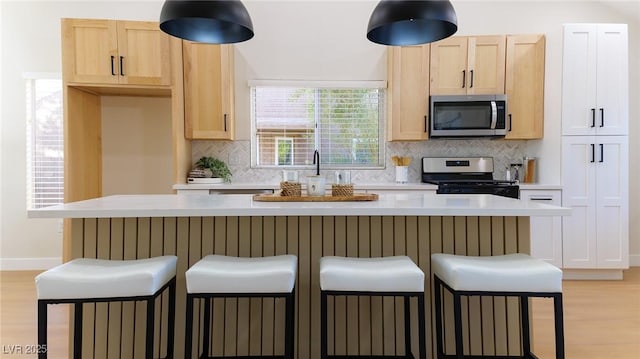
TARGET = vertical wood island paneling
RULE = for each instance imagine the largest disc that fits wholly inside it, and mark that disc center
(368, 326)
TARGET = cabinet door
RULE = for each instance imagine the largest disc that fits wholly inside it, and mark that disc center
(468, 66)
(208, 90)
(578, 79)
(486, 65)
(408, 102)
(546, 232)
(144, 56)
(524, 86)
(612, 81)
(612, 201)
(90, 51)
(449, 66)
(595, 80)
(579, 192)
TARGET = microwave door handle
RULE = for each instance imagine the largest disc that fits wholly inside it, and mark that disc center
(494, 115)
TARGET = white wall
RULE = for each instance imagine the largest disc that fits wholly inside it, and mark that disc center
(294, 40)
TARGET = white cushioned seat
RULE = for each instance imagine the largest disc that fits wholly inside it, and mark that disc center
(503, 273)
(382, 274)
(224, 274)
(85, 278)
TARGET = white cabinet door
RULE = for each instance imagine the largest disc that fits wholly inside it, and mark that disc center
(612, 201)
(546, 232)
(595, 79)
(612, 82)
(578, 79)
(579, 192)
(595, 185)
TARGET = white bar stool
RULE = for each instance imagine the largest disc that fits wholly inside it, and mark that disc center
(216, 276)
(395, 276)
(511, 275)
(87, 280)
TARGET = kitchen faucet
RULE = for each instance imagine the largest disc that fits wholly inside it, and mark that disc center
(316, 161)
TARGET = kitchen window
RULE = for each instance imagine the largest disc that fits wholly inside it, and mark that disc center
(45, 146)
(343, 121)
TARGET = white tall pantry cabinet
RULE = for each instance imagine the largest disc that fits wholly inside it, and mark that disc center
(595, 147)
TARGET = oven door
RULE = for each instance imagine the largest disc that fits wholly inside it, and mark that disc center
(511, 191)
(468, 116)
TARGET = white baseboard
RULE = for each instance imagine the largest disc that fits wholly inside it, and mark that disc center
(29, 263)
(592, 274)
(634, 260)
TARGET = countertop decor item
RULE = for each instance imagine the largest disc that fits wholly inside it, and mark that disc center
(401, 161)
(207, 21)
(290, 188)
(342, 190)
(217, 167)
(402, 23)
(355, 197)
(316, 185)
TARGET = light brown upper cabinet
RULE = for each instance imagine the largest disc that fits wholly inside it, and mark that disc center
(408, 99)
(472, 65)
(208, 91)
(524, 86)
(115, 52)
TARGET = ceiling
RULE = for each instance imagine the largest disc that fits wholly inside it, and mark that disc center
(628, 8)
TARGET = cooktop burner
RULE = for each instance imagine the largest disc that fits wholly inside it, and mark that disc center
(469, 175)
(480, 182)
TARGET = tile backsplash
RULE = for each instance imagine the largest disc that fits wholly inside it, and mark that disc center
(237, 154)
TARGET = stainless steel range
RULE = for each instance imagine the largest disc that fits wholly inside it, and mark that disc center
(469, 175)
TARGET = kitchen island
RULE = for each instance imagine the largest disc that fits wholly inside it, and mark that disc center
(192, 226)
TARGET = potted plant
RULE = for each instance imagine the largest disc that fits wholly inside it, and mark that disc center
(217, 167)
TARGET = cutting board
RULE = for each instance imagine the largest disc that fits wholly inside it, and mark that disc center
(356, 197)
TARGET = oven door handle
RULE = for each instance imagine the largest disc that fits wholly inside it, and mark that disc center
(494, 115)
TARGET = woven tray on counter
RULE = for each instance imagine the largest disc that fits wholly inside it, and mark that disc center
(276, 197)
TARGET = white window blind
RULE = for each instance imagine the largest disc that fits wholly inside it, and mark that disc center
(343, 124)
(45, 146)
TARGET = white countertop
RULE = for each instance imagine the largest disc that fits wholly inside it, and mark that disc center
(276, 186)
(401, 204)
(356, 186)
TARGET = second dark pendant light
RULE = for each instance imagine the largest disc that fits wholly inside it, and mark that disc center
(404, 23)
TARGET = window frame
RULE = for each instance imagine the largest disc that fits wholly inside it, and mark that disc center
(283, 139)
(30, 120)
(374, 84)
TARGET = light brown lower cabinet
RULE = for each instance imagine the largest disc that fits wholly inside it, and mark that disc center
(367, 326)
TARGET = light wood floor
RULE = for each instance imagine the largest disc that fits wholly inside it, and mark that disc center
(602, 319)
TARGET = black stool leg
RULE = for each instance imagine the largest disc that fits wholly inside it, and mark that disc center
(457, 322)
(421, 327)
(206, 334)
(151, 316)
(42, 329)
(289, 325)
(559, 325)
(524, 319)
(323, 325)
(188, 337)
(437, 293)
(407, 327)
(171, 321)
(77, 331)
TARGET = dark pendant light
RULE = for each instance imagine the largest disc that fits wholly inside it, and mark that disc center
(208, 21)
(403, 23)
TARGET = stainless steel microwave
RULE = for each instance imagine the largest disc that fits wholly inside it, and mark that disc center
(468, 116)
